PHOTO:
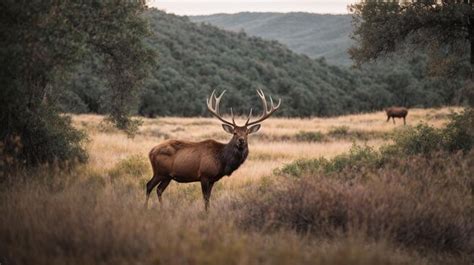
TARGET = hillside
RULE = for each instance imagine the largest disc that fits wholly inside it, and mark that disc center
(315, 35)
(193, 59)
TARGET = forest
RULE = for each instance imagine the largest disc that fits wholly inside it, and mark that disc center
(194, 59)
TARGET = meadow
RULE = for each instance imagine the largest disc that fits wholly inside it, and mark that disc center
(407, 212)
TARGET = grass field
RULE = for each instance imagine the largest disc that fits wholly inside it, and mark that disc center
(94, 214)
(274, 145)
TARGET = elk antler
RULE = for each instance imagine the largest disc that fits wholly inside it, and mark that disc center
(215, 110)
(266, 112)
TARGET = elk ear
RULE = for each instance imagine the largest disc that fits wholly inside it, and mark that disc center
(228, 128)
(254, 128)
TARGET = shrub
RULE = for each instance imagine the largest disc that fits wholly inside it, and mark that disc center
(339, 132)
(302, 166)
(134, 166)
(44, 137)
(314, 136)
(357, 158)
(459, 132)
(420, 202)
(422, 139)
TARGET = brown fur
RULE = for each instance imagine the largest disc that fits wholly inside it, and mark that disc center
(396, 112)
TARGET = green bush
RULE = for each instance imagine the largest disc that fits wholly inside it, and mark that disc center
(422, 139)
(314, 136)
(458, 135)
(459, 132)
(134, 166)
(41, 138)
(357, 158)
(302, 166)
(339, 132)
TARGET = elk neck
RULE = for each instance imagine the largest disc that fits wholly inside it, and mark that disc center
(232, 157)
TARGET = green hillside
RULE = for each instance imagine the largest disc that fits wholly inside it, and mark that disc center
(193, 59)
(315, 35)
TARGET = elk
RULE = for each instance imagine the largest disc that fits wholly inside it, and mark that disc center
(207, 161)
(397, 112)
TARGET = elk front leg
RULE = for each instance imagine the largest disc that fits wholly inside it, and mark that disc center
(206, 187)
(404, 121)
(393, 118)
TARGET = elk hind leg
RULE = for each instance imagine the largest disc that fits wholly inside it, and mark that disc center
(155, 180)
(161, 188)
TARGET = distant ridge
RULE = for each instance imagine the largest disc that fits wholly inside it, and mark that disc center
(316, 35)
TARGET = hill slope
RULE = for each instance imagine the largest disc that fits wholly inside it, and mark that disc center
(194, 59)
(315, 35)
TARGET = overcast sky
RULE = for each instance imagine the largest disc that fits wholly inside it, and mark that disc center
(205, 7)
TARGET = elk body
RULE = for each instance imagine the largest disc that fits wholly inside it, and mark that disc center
(207, 161)
(396, 112)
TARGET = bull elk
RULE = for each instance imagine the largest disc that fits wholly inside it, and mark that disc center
(207, 161)
(397, 112)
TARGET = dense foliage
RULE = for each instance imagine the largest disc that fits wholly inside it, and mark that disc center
(197, 58)
(41, 43)
(443, 28)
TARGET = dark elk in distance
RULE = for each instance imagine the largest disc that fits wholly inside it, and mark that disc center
(206, 161)
(396, 112)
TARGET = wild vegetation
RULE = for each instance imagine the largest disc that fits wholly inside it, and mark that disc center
(41, 44)
(362, 205)
(194, 59)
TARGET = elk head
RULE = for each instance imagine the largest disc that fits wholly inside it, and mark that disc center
(240, 133)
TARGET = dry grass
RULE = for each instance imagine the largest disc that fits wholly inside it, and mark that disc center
(267, 149)
(94, 214)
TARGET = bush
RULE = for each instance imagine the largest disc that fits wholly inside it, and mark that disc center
(134, 166)
(459, 132)
(339, 132)
(422, 139)
(420, 202)
(45, 137)
(458, 135)
(357, 158)
(302, 166)
(315, 136)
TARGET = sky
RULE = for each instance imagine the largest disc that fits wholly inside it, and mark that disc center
(206, 7)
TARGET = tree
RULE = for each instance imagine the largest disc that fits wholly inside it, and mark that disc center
(445, 28)
(41, 43)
